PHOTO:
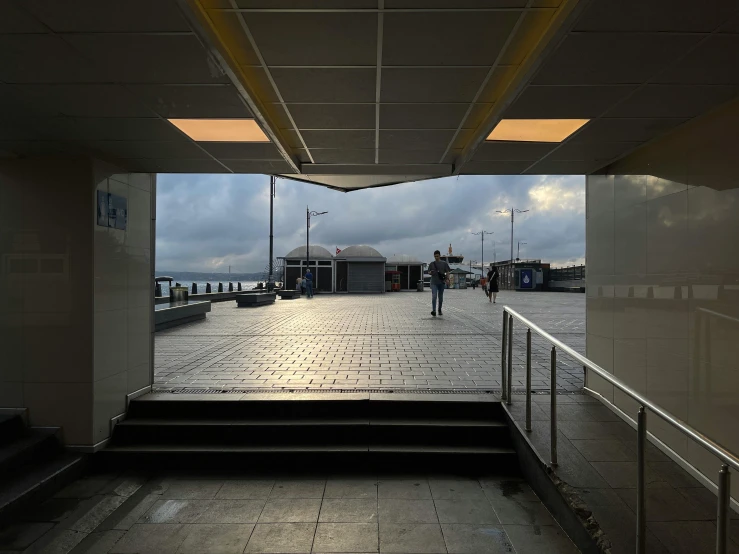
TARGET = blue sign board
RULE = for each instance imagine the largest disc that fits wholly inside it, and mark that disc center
(527, 279)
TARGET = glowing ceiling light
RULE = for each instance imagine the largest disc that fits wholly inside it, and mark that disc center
(535, 130)
(221, 130)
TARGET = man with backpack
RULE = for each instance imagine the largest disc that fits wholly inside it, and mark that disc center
(439, 271)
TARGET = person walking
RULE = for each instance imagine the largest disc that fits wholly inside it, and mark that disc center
(492, 283)
(439, 271)
(298, 283)
(309, 283)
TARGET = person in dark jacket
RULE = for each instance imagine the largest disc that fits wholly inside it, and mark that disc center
(309, 283)
(439, 271)
(492, 283)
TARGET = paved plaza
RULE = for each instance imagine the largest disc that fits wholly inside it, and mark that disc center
(387, 341)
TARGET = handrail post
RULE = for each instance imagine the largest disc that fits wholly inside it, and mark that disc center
(503, 361)
(553, 406)
(722, 515)
(641, 515)
(528, 380)
(509, 379)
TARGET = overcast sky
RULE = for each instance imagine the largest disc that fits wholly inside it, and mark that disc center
(208, 222)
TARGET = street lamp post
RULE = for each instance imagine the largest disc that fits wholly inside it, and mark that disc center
(271, 279)
(309, 213)
(482, 250)
(518, 252)
(512, 211)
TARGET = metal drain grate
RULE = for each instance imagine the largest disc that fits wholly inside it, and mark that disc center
(336, 391)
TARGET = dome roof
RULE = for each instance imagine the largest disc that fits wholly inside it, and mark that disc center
(360, 251)
(402, 259)
(316, 253)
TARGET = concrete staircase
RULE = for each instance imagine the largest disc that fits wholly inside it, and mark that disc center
(285, 434)
(33, 464)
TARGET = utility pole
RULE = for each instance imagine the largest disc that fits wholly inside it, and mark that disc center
(482, 252)
(309, 213)
(512, 211)
(271, 278)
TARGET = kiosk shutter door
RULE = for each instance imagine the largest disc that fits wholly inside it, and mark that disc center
(366, 277)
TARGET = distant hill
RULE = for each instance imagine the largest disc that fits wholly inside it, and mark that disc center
(195, 276)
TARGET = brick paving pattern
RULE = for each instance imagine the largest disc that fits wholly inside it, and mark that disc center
(369, 341)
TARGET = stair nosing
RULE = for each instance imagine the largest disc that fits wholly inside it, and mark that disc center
(153, 422)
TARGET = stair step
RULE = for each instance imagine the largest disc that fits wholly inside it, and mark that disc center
(448, 434)
(251, 449)
(12, 427)
(312, 409)
(39, 443)
(313, 457)
(311, 422)
(20, 489)
(266, 433)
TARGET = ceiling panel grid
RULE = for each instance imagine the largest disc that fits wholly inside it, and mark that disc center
(357, 93)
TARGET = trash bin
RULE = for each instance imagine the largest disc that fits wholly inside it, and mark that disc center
(178, 294)
(419, 286)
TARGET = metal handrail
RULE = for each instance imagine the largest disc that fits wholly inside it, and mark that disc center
(718, 314)
(727, 458)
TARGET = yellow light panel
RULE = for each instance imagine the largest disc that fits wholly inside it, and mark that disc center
(221, 130)
(535, 130)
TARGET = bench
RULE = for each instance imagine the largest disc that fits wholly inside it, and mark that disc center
(288, 294)
(251, 300)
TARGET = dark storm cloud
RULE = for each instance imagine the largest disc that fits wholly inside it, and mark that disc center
(208, 222)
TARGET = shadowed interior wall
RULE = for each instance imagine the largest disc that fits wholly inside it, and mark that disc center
(123, 328)
(75, 298)
(663, 281)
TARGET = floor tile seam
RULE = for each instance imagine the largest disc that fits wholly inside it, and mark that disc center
(320, 508)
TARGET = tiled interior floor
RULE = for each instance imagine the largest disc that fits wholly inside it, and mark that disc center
(369, 341)
(208, 513)
(597, 456)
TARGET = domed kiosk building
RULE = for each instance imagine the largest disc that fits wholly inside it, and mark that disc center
(360, 268)
(321, 265)
(410, 268)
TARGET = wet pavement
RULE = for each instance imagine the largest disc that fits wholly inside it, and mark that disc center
(368, 341)
(234, 513)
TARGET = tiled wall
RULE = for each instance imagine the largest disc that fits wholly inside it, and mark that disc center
(662, 255)
(75, 298)
(123, 303)
(45, 299)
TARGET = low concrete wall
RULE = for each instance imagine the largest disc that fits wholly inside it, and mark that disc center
(577, 285)
(170, 315)
(213, 296)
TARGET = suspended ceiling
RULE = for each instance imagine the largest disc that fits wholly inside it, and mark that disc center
(358, 93)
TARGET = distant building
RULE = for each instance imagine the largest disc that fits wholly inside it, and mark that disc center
(360, 268)
(410, 268)
(321, 266)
